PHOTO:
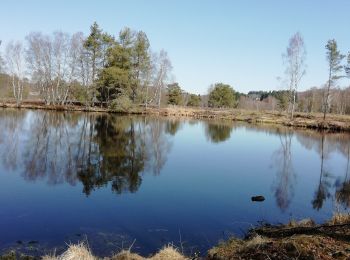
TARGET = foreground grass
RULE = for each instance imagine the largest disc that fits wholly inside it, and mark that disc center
(82, 252)
(333, 122)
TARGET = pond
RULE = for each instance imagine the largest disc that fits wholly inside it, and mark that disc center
(115, 181)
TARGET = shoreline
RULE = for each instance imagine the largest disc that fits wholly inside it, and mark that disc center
(295, 240)
(333, 122)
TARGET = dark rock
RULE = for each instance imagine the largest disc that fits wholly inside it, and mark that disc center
(258, 198)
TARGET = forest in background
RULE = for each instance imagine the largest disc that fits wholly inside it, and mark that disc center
(121, 72)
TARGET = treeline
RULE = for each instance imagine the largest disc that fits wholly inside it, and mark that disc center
(117, 72)
(97, 69)
(121, 71)
(309, 101)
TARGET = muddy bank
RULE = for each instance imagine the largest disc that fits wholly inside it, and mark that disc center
(301, 120)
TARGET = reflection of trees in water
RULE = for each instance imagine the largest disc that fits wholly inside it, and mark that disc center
(119, 158)
(342, 194)
(49, 150)
(322, 192)
(285, 178)
(159, 145)
(218, 132)
(94, 150)
(324, 144)
(12, 124)
(172, 126)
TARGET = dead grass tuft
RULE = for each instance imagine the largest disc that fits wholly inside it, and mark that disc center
(340, 218)
(126, 255)
(82, 252)
(168, 253)
(74, 252)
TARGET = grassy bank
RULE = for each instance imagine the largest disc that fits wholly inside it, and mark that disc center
(295, 240)
(312, 121)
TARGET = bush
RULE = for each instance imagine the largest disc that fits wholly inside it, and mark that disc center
(121, 104)
(194, 101)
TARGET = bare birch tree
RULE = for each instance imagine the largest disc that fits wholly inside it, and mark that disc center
(295, 67)
(54, 62)
(162, 68)
(16, 69)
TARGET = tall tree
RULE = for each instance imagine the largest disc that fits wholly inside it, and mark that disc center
(141, 64)
(334, 58)
(16, 67)
(115, 78)
(97, 46)
(295, 67)
(93, 46)
(162, 69)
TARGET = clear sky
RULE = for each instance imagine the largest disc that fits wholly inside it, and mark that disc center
(208, 41)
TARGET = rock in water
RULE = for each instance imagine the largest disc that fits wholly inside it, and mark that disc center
(258, 198)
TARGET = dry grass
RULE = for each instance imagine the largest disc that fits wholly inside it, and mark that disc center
(301, 223)
(169, 253)
(256, 241)
(340, 218)
(74, 252)
(127, 255)
(82, 252)
(295, 247)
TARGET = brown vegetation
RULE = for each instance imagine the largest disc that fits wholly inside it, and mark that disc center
(305, 120)
(296, 240)
(82, 252)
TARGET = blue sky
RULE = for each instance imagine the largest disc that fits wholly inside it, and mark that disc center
(208, 41)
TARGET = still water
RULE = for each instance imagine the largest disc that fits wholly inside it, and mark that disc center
(113, 181)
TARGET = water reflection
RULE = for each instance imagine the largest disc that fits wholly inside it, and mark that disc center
(218, 132)
(324, 185)
(99, 150)
(285, 178)
(173, 126)
(94, 150)
(343, 192)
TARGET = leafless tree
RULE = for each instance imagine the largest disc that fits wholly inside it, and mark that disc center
(54, 62)
(16, 69)
(295, 67)
(162, 68)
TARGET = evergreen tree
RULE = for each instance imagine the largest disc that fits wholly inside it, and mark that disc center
(174, 94)
(222, 95)
(141, 64)
(334, 58)
(194, 101)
